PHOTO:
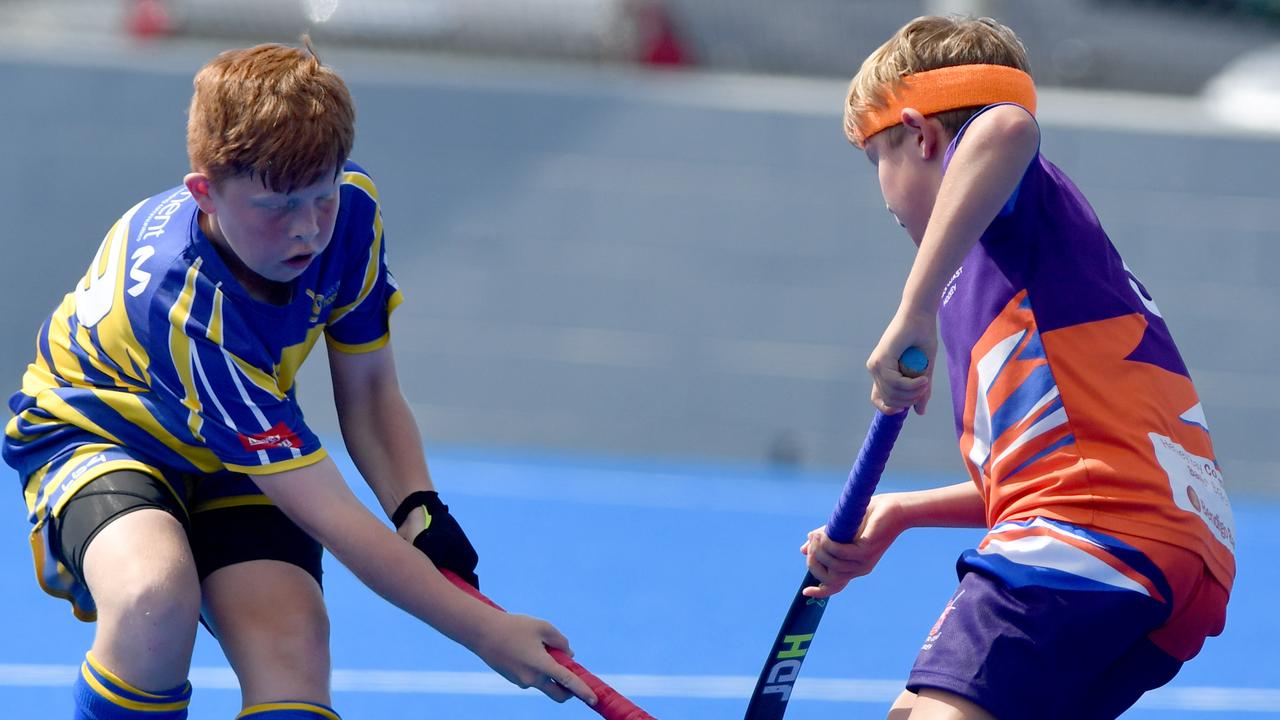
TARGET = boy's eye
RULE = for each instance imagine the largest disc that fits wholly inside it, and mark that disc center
(283, 205)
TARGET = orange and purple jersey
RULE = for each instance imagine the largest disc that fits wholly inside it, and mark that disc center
(1072, 403)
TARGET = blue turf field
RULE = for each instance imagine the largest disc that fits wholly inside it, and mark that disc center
(670, 581)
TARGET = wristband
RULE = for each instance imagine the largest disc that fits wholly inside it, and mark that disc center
(441, 539)
(429, 499)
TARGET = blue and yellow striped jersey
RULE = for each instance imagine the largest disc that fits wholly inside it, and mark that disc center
(160, 350)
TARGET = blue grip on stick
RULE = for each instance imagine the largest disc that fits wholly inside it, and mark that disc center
(864, 476)
(871, 460)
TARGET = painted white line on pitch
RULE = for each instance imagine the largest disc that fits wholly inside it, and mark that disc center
(700, 687)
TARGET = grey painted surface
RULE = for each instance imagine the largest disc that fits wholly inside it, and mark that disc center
(605, 263)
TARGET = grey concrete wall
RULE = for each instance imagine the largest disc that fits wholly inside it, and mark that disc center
(645, 265)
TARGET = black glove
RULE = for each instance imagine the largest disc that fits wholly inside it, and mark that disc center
(443, 541)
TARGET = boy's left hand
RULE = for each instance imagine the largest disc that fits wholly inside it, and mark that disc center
(834, 564)
(891, 391)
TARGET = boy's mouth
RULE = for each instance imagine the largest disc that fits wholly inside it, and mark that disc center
(298, 262)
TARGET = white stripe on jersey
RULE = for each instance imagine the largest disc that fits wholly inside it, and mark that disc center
(204, 380)
(1050, 552)
(1055, 419)
(244, 395)
(988, 370)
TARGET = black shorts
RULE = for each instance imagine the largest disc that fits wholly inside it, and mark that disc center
(219, 537)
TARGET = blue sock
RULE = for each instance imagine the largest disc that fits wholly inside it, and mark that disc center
(288, 710)
(101, 695)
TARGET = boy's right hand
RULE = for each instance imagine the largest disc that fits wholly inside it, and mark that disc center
(891, 390)
(515, 646)
(834, 564)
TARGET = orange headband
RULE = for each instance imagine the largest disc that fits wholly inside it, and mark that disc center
(948, 88)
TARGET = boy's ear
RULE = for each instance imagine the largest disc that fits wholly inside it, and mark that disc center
(199, 185)
(926, 132)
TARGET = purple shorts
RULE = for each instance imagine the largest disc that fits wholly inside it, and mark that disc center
(1043, 652)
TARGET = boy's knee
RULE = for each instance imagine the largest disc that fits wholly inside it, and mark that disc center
(140, 566)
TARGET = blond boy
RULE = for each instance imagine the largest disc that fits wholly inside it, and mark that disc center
(1110, 551)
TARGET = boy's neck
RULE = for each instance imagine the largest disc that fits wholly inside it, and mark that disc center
(258, 287)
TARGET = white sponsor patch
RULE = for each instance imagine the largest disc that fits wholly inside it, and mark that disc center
(1197, 487)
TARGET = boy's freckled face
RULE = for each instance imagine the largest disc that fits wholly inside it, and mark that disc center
(276, 235)
(909, 183)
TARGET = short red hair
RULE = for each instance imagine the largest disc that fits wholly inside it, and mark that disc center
(272, 112)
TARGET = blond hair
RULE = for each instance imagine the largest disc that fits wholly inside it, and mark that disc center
(272, 112)
(929, 43)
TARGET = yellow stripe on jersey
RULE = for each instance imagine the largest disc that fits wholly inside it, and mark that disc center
(109, 467)
(362, 181)
(98, 471)
(223, 503)
(291, 358)
(59, 333)
(356, 348)
(180, 348)
(53, 403)
(123, 347)
(85, 340)
(214, 331)
(262, 380)
(31, 418)
(32, 489)
(365, 183)
(293, 464)
(131, 408)
(252, 373)
(67, 468)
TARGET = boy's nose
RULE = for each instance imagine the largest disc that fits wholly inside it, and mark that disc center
(306, 225)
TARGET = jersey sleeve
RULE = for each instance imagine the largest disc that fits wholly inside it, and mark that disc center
(360, 321)
(215, 377)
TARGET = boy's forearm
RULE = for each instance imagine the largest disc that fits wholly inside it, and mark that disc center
(983, 173)
(959, 505)
(316, 498)
(386, 446)
(402, 575)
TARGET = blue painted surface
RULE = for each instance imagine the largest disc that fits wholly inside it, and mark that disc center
(652, 569)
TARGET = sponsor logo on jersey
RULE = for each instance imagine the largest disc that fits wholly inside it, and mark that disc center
(950, 289)
(79, 472)
(1197, 487)
(279, 436)
(320, 301)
